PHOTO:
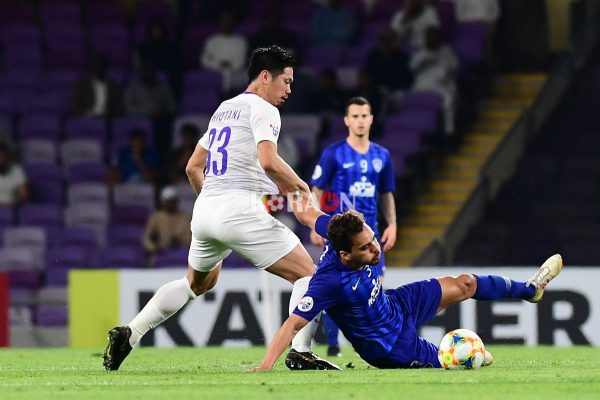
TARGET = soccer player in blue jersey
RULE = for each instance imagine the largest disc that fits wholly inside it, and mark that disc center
(358, 174)
(383, 325)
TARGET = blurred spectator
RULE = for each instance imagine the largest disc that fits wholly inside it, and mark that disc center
(225, 51)
(167, 228)
(411, 22)
(160, 50)
(389, 66)
(96, 94)
(136, 162)
(333, 25)
(179, 157)
(435, 69)
(329, 97)
(271, 32)
(477, 11)
(366, 88)
(13, 181)
(147, 95)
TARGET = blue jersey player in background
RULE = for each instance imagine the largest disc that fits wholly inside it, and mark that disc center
(356, 174)
(382, 325)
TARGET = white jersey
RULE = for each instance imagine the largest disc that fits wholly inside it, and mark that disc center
(233, 133)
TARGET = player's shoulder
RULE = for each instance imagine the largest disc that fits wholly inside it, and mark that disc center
(376, 147)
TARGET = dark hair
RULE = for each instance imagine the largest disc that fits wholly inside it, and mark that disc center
(343, 227)
(273, 59)
(358, 100)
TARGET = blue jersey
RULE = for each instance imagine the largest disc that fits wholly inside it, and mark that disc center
(369, 318)
(354, 180)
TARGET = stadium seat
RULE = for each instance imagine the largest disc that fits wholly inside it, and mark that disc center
(176, 258)
(86, 172)
(47, 215)
(134, 194)
(129, 215)
(38, 150)
(125, 235)
(121, 257)
(88, 193)
(46, 192)
(74, 151)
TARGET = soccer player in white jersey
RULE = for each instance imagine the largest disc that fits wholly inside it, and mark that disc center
(233, 165)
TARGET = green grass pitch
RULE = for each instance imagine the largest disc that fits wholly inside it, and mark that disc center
(220, 373)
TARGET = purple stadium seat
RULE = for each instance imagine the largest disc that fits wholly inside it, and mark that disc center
(121, 257)
(74, 151)
(106, 12)
(424, 121)
(88, 193)
(52, 102)
(200, 103)
(52, 315)
(6, 216)
(195, 81)
(21, 33)
(469, 41)
(125, 235)
(60, 79)
(18, 57)
(177, 258)
(146, 11)
(60, 12)
(77, 236)
(43, 172)
(121, 127)
(319, 57)
(193, 40)
(17, 12)
(86, 172)
(134, 194)
(423, 99)
(66, 55)
(87, 128)
(60, 35)
(69, 257)
(47, 215)
(357, 55)
(18, 79)
(22, 265)
(31, 237)
(111, 33)
(129, 215)
(86, 215)
(40, 125)
(38, 150)
(234, 260)
(403, 143)
(46, 193)
(14, 101)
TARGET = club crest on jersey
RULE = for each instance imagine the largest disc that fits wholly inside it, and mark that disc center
(306, 304)
(275, 129)
(377, 164)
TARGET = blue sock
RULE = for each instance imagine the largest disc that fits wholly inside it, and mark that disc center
(331, 330)
(493, 287)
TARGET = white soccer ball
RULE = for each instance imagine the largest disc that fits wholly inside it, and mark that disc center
(461, 349)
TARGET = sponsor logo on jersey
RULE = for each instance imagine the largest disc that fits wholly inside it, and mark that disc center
(347, 165)
(362, 188)
(377, 164)
(306, 304)
(275, 129)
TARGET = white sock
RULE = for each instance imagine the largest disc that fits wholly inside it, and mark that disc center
(169, 299)
(303, 340)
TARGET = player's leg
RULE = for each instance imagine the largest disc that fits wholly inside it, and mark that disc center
(493, 287)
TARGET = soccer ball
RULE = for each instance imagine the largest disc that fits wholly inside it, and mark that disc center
(461, 349)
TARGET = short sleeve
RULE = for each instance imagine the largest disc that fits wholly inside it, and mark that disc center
(388, 179)
(325, 169)
(204, 141)
(321, 294)
(265, 123)
(322, 224)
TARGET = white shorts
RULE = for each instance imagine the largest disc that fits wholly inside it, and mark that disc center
(236, 221)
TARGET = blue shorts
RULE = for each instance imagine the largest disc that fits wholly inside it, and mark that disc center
(418, 302)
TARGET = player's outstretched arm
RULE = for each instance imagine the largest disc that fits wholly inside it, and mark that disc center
(278, 170)
(195, 168)
(315, 238)
(280, 342)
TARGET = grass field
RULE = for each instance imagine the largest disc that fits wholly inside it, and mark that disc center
(220, 373)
